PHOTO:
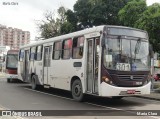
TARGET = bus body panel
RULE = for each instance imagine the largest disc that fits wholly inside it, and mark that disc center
(11, 64)
(60, 72)
(20, 72)
(38, 66)
(35, 67)
(61, 75)
(109, 90)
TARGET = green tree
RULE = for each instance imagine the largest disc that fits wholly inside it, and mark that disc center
(61, 19)
(149, 21)
(82, 11)
(72, 19)
(97, 12)
(48, 27)
(131, 12)
(51, 26)
(62, 14)
(87, 13)
(112, 7)
(67, 27)
(70, 25)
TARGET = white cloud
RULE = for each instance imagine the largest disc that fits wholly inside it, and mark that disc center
(150, 2)
(24, 14)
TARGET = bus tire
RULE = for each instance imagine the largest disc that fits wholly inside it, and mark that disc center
(33, 82)
(117, 97)
(77, 91)
(8, 80)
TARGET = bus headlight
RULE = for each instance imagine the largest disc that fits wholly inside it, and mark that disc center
(106, 79)
(149, 78)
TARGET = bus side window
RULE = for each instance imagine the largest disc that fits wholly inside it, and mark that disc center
(78, 44)
(57, 47)
(66, 49)
(21, 55)
(32, 53)
(39, 51)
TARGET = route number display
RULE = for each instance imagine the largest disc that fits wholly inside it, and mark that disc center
(123, 66)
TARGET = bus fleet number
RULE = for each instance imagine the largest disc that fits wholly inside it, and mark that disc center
(123, 66)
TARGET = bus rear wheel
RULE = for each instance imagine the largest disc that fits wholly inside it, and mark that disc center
(33, 82)
(117, 97)
(77, 91)
(8, 80)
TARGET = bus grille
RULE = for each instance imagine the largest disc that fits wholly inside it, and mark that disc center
(131, 77)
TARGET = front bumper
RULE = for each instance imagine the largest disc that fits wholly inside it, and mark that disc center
(12, 76)
(109, 90)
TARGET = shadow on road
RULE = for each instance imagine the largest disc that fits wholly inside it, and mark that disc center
(102, 101)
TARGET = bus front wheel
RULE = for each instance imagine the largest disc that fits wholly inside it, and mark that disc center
(117, 97)
(77, 91)
(8, 80)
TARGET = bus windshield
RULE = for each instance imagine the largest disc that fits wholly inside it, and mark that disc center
(12, 61)
(126, 54)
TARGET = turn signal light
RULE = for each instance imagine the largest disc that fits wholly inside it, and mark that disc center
(106, 79)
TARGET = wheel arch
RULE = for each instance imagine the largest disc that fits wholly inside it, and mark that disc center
(31, 75)
(77, 84)
(72, 80)
(37, 79)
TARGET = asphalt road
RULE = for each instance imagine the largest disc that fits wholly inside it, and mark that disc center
(19, 96)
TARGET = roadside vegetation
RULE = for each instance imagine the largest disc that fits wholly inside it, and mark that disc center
(90, 13)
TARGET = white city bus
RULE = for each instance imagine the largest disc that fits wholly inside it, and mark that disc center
(108, 61)
(11, 65)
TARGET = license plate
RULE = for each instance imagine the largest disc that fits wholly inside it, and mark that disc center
(13, 77)
(130, 91)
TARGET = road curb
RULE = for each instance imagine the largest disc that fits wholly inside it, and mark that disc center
(151, 98)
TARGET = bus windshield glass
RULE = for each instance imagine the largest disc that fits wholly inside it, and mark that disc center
(12, 61)
(126, 54)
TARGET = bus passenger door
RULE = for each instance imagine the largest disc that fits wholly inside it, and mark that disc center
(26, 68)
(47, 64)
(92, 65)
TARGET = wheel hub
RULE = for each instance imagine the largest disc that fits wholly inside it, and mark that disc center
(77, 90)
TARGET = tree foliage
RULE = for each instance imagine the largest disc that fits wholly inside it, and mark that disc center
(112, 7)
(97, 12)
(149, 21)
(131, 12)
(136, 14)
(82, 12)
(48, 26)
(51, 27)
(71, 23)
(88, 13)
